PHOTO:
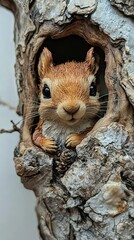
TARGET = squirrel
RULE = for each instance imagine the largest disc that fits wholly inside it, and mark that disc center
(69, 101)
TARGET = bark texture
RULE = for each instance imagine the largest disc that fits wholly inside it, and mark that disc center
(126, 6)
(93, 197)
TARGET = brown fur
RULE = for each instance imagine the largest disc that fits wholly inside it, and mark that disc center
(70, 103)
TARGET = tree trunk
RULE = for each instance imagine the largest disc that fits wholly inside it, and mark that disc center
(89, 196)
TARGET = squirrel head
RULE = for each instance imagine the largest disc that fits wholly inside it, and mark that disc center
(68, 92)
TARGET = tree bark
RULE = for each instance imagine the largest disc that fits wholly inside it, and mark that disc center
(92, 198)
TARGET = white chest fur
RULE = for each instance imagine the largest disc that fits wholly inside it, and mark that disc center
(59, 131)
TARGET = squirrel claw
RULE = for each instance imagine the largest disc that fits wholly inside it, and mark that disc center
(73, 140)
(48, 145)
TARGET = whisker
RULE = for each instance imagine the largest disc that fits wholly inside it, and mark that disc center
(28, 117)
(107, 94)
(32, 107)
(34, 103)
(114, 100)
(103, 105)
(102, 109)
(31, 116)
(33, 125)
(91, 108)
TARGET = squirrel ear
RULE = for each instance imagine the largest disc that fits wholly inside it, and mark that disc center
(45, 61)
(93, 61)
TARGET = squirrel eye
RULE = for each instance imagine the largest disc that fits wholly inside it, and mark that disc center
(93, 89)
(46, 91)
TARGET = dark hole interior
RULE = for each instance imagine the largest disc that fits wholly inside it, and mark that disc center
(67, 49)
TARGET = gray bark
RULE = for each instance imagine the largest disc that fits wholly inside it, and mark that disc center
(93, 197)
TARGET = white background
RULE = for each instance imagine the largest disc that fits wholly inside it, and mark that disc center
(17, 214)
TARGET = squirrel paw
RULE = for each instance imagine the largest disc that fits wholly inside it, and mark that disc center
(73, 140)
(48, 145)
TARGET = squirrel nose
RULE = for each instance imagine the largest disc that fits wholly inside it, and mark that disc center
(72, 109)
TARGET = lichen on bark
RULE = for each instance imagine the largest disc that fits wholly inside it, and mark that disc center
(125, 6)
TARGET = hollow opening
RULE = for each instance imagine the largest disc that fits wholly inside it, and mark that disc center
(71, 48)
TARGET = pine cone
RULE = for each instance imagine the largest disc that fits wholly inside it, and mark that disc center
(64, 160)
